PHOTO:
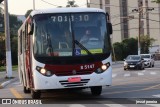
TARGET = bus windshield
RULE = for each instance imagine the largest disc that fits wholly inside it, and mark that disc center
(64, 34)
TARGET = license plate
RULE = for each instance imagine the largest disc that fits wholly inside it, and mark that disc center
(131, 66)
(74, 79)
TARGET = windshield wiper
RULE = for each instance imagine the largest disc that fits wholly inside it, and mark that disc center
(49, 43)
(82, 47)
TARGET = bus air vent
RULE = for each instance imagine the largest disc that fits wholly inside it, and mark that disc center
(83, 82)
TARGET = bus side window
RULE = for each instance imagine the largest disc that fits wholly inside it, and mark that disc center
(23, 41)
(26, 37)
(20, 42)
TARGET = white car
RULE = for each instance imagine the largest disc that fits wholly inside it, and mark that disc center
(149, 60)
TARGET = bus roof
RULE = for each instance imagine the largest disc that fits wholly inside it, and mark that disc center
(66, 10)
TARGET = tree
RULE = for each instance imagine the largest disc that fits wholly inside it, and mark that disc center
(28, 12)
(1, 1)
(1, 23)
(157, 1)
(14, 49)
(71, 4)
(118, 49)
(125, 48)
(146, 42)
(2, 49)
(130, 47)
(14, 24)
(2, 39)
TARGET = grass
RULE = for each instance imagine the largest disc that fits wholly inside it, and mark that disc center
(14, 68)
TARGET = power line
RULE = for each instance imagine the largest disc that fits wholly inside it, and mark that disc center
(121, 22)
(58, 5)
(119, 6)
(49, 3)
(118, 15)
(148, 19)
(136, 18)
(133, 29)
(154, 13)
(112, 5)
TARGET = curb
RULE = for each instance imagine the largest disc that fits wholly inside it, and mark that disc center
(4, 84)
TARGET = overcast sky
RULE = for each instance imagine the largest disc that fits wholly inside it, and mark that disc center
(20, 7)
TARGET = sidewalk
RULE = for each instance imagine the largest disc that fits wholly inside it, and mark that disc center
(5, 81)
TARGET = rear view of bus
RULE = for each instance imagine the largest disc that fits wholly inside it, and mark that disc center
(65, 48)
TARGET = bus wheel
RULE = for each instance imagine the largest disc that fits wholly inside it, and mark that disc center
(35, 94)
(25, 90)
(96, 90)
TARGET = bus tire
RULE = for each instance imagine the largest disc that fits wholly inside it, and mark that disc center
(96, 90)
(35, 94)
(25, 90)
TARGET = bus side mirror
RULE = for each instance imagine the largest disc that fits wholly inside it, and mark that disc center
(110, 28)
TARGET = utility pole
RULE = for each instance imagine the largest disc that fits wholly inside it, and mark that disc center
(147, 18)
(140, 11)
(8, 46)
(33, 4)
(88, 5)
(159, 16)
(140, 15)
(101, 7)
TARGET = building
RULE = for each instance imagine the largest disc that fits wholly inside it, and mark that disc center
(125, 18)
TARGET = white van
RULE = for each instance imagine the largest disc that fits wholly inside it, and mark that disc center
(149, 60)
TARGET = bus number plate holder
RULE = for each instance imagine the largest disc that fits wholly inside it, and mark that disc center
(74, 79)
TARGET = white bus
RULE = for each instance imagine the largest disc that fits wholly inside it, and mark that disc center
(51, 56)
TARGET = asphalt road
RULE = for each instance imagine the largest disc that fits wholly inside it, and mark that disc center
(128, 88)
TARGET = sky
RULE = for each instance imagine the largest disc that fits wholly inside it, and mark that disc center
(20, 7)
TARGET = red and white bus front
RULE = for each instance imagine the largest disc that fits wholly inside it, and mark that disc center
(71, 50)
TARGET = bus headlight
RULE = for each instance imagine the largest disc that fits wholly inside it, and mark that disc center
(43, 71)
(48, 73)
(103, 68)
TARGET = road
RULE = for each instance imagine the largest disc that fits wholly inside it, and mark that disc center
(127, 88)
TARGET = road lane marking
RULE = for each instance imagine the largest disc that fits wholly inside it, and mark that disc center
(153, 73)
(127, 75)
(16, 83)
(76, 105)
(114, 105)
(152, 87)
(144, 89)
(144, 71)
(140, 74)
(114, 75)
(158, 95)
(154, 105)
(15, 93)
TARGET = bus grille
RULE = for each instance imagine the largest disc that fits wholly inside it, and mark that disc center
(83, 82)
(70, 73)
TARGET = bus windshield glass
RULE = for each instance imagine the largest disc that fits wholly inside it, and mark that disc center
(55, 34)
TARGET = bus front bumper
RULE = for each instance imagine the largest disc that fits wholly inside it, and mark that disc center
(60, 82)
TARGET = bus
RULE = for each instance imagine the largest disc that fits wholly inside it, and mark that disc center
(51, 56)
